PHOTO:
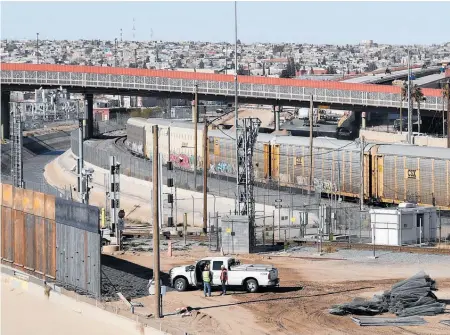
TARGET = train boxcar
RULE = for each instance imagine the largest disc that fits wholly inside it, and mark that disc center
(336, 165)
(222, 153)
(181, 140)
(136, 136)
(392, 173)
(411, 173)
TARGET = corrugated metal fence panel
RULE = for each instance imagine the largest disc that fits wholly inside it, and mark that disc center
(78, 258)
(7, 234)
(67, 249)
(7, 198)
(19, 237)
(50, 204)
(50, 237)
(77, 215)
(39, 231)
(39, 204)
(94, 263)
(30, 245)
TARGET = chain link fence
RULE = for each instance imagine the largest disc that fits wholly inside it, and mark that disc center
(286, 213)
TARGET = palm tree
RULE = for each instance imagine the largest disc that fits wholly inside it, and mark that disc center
(445, 96)
(403, 91)
(418, 97)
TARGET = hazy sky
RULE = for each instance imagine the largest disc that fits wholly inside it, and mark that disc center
(300, 22)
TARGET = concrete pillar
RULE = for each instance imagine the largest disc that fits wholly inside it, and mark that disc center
(363, 120)
(89, 116)
(276, 117)
(5, 114)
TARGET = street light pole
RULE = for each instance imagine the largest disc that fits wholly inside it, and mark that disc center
(37, 48)
(236, 116)
(409, 100)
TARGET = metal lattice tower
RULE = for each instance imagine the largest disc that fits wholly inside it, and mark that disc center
(16, 145)
(246, 138)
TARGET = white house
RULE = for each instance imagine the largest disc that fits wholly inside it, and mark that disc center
(406, 224)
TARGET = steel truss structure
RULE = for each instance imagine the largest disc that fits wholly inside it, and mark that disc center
(245, 143)
(16, 145)
(131, 80)
(35, 114)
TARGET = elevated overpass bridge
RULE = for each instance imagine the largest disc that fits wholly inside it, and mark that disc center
(382, 78)
(165, 83)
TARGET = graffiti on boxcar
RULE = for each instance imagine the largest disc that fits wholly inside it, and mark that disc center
(222, 167)
(184, 161)
(319, 184)
(181, 160)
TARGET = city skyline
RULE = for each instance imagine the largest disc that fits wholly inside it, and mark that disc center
(265, 22)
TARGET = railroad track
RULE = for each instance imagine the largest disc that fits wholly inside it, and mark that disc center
(119, 143)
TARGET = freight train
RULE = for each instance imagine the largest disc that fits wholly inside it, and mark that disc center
(393, 173)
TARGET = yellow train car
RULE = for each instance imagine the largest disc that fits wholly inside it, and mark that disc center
(410, 173)
(336, 165)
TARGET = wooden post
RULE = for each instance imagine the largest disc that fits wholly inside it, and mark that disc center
(195, 119)
(311, 161)
(156, 261)
(205, 176)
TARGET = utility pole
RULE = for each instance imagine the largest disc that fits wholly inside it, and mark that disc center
(81, 124)
(37, 48)
(311, 161)
(361, 167)
(156, 259)
(205, 176)
(170, 181)
(236, 116)
(195, 119)
(409, 101)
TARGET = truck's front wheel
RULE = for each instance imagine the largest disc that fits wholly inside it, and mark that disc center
(180, 284)
(251, 285)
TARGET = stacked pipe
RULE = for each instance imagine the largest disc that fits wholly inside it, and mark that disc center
(410, 297)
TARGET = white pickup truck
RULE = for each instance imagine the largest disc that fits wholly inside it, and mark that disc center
(250, 277)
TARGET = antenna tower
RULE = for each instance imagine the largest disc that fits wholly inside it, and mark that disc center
(134, 30)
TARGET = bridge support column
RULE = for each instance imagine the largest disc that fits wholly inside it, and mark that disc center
(276, 117)
(363, 120)
(89, 116)
(5, 114)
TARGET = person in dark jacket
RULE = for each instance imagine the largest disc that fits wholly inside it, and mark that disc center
(224, 279)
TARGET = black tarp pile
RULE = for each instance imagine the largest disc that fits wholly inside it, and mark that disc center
(409, 297)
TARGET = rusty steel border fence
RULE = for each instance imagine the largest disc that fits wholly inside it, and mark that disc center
(52, 238)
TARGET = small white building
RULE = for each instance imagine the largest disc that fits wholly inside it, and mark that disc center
(406, 224)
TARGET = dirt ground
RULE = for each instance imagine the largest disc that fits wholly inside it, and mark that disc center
(299, 306)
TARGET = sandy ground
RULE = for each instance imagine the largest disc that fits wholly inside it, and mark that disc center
(300, 306)
(24, 313)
